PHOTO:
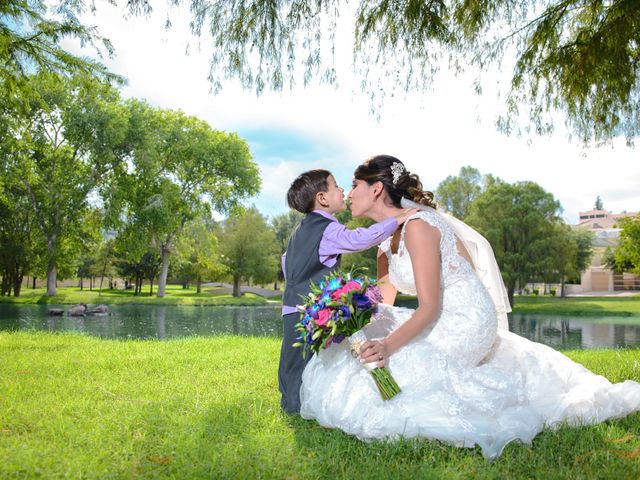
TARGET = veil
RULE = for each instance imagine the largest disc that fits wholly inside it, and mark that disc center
(484, 261)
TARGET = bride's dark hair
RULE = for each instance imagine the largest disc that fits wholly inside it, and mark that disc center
(408, 185)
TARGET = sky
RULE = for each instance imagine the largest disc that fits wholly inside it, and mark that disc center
(434, 133)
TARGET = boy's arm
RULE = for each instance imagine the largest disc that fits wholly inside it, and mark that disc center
(338, 239)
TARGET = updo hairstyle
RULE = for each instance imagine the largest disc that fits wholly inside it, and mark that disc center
(408, 185)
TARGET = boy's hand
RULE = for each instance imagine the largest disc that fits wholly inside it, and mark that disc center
(406, 213)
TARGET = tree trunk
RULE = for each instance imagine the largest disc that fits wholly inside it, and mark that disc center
(104, 270)
(91, 284)
(198, 285)
(151, 287)
(51, 266)
(165, 253)
(510, 292)
(51, 279)
(34, 283)
(5, 288)
(17, 285)
(81, 284)
(236, 285)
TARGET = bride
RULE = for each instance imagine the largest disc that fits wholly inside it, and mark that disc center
(465, 379)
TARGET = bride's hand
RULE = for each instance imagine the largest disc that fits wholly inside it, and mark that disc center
(406, 213)
(374, 351)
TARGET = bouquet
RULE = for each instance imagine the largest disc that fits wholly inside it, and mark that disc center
(337, 308)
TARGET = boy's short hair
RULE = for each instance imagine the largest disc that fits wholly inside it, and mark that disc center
(302, 192)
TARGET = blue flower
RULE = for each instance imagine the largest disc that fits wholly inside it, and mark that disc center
(334, 284)
(361, 302)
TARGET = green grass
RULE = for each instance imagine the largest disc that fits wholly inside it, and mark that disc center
(80, 407)
(574, 306)
(175, 295)
(610, 306)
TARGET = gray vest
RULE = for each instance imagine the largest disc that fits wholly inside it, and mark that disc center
(302, 263)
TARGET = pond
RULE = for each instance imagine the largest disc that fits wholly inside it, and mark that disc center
(163, 322)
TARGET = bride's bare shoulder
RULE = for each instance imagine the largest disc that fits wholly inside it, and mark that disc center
(419, 231)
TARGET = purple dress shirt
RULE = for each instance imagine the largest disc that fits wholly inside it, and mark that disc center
(338, 239)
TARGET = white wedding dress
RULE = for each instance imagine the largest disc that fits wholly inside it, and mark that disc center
(463, 380)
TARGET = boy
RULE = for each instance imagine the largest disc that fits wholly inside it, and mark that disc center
(314, 250)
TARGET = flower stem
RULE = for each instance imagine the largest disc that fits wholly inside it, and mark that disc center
(386, 384)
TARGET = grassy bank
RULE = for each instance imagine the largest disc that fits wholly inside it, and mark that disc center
(622, 306)
(175, 295)
(80, 407)
(575, 306)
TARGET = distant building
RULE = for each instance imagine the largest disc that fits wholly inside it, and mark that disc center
(601, 219)
(598, 278)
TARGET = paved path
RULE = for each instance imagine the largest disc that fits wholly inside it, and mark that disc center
(617, 293)
(228, 288)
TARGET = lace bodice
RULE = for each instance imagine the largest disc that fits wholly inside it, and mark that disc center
(452, 263)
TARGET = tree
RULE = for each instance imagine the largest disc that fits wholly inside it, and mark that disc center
(584, 240)
(628, 251)
(60, 148)
(19, 237)
(572, 251)
(520, 221)
(456, 194)
(248, 247)
(578, 57)
(198, 252)
(598, 205)
(29, 42)
(88, 264)
(179, 168)
(617, 264)
(105, 258)
(283, 226)
(129, 249)
(86, 268)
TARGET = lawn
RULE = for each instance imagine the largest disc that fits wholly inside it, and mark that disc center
(175, 295)
(622, 306)
(80, 407)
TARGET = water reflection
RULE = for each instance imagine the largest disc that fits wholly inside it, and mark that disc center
(161, 322)
(562, 332)
(144, 322)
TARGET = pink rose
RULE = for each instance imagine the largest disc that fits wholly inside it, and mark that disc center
(324, 316)
(338, 293)
(350, 285)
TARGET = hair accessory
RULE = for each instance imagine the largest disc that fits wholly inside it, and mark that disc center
(397, 169)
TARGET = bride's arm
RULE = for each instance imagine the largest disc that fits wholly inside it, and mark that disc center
(423, 244)
(387, 290)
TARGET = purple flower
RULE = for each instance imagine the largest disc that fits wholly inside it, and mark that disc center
(373, 292)
(345, 312)
(339, 337)
(361, 302)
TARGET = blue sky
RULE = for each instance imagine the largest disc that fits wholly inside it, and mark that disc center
(434, 133)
